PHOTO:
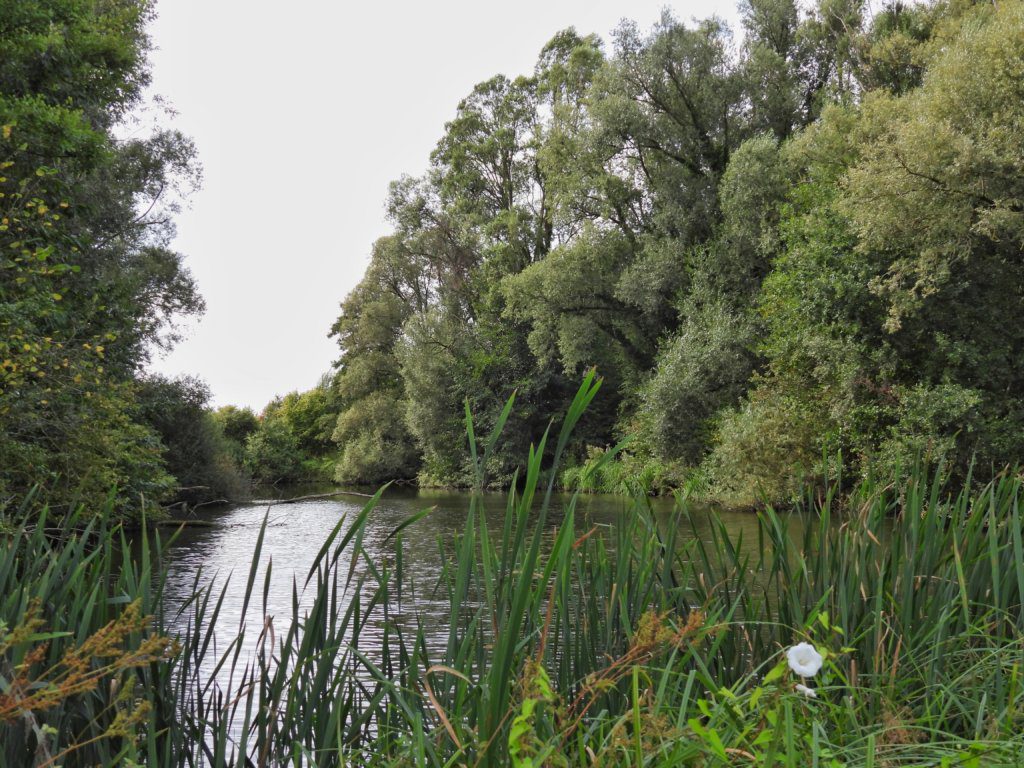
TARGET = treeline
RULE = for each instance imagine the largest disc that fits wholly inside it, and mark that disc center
(777, 247)
(289, 441)
(89, 286)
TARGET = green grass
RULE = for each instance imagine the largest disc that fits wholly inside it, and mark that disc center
(639, 646)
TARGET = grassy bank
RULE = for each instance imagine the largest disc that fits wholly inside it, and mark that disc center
(639, 646)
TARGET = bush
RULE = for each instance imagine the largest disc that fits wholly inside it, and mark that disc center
(196, 451)
(768, 448)
(272, 453)
(706, 367)
(375, 444)
(628, 474)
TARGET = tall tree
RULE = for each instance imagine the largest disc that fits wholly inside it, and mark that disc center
(370, 430)
(88, 283)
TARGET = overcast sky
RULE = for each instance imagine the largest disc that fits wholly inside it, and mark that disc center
(302, 112)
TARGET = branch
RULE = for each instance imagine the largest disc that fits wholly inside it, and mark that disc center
(314, 496)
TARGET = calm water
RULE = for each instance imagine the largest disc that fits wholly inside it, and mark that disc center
(221, 554)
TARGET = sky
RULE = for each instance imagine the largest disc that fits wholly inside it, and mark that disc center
(302, 113)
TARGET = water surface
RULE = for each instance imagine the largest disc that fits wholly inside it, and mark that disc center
(221, 553)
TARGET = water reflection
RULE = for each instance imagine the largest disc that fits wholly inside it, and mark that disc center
(221, 553)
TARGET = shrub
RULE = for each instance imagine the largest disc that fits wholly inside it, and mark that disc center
(272, 453)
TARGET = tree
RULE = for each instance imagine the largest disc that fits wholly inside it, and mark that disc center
(775, 250)
(236, 424)
(88, 284)
(885, 312)
(272, 453)
(196, 451)
(374, 442)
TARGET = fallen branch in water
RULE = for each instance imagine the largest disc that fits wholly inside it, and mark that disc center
(315, 496)
(187, 522)
(211, 502)
(189, 508)
(270, 503)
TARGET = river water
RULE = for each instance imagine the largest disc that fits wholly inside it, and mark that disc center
(219, 553)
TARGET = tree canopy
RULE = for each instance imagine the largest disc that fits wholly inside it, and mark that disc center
(89, 285)
(776, 248)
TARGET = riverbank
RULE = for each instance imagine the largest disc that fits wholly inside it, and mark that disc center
(621, 645)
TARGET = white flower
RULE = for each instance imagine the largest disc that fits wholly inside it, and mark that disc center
(809, 692)
(804, 659)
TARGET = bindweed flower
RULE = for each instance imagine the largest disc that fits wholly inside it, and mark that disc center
(809, 692)
(804, 659)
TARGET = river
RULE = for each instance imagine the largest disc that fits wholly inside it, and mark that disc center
(220, 551)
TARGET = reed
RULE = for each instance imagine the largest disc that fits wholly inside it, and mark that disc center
(659, 642)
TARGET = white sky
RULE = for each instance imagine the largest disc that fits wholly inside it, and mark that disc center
(302, 113)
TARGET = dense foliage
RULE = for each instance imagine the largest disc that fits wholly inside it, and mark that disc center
(794, 258)
(774, 248)
(197, 451)
(290, 441)
(660, 642)
(89, 287)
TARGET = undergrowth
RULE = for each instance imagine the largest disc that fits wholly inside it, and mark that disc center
(658, 642)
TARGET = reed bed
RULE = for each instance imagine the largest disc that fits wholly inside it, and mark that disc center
(643, 645)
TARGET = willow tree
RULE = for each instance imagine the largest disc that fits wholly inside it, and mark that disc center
(886, 309)
(485, 211)
(370, 431)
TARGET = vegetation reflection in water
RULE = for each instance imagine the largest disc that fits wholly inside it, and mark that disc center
(224, 549)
